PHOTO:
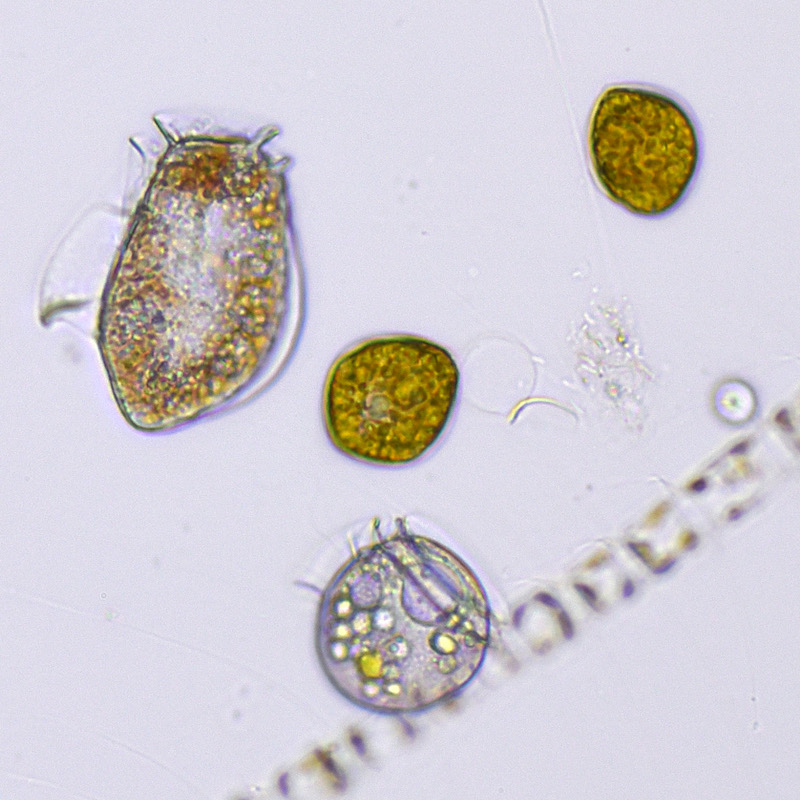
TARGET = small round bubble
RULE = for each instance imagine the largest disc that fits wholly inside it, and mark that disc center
(735, 401)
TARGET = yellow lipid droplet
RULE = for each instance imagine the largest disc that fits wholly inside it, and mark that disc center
(343, 607)
(370, 664)
(443, 643)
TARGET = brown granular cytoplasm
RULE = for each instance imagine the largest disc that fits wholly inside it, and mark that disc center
(387, 399)
(197, 296)
(643, 148)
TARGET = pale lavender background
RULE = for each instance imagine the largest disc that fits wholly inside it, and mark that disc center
(153, 643)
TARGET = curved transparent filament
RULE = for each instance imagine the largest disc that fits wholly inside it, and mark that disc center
(73, 280)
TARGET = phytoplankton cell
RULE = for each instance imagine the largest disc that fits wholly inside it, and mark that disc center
(735, 401)
(200, 300)
(403, 624)
(387, 399)
(643, 148)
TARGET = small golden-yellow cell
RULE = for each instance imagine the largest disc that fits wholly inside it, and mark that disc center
(643, 148)
(388, 398)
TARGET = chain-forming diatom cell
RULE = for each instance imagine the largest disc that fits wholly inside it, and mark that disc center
(643, 148)
(387, 399)
(403, 624)
(202, 303)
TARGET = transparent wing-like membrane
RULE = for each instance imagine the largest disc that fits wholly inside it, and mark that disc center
(72, 284)
(712, 497)
(71, 287)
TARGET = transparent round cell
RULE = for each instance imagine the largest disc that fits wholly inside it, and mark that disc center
(497, 372)
(194, 292)
(734, 401)
(403, 624)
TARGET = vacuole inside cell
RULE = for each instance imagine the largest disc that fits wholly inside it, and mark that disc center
(643, 148)
(202, 302)
(387, 399)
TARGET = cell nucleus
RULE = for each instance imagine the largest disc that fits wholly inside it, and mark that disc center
(403, 624)
(201, 305)
(387, 399)
(643, 148)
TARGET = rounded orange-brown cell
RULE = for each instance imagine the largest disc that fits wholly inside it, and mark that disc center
(197, 302)
(643, 148)
(387, 399)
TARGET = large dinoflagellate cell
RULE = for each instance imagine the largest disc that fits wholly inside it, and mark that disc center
(643, 148)
(403, 624)
(202, 302)
(388, 398)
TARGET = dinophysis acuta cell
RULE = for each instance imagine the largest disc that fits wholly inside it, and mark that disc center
(193, 293)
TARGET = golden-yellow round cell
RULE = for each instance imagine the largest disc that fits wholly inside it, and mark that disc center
(643, 148)
(388, 399)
